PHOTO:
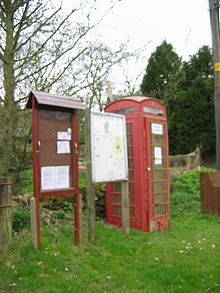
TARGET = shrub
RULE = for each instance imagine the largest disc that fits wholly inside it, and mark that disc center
(20, 219)
(59, 214)
(186, 191)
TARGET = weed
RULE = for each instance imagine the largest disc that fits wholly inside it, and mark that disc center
(20, 219)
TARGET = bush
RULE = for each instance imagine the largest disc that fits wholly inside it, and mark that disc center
(20, 220)
(59, 214)
(186, 191)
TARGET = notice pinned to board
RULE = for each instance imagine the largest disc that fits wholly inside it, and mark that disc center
(64, 135)
(54, 177)
(157, 128)
(157, 155)
(63, 147)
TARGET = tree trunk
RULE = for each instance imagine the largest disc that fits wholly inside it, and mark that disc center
(9, 110)
(5, 214)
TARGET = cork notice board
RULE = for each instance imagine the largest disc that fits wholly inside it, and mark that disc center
(55, 146)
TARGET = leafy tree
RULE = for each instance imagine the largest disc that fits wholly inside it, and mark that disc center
(191, 114)
(38, 46)
(162, 68)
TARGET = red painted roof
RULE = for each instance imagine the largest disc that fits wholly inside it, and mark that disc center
(55, 100)
(138, 99)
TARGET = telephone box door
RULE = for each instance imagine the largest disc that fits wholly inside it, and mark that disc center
(158, 174)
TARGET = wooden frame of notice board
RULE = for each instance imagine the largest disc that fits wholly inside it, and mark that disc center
(55, 152)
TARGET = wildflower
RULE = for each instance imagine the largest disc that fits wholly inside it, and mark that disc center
(13, 284)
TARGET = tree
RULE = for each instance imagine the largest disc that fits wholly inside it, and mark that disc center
(191, 114)
(38, 46)
(162, 67)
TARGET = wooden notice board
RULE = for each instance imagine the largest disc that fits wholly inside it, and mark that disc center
(55, 150)
(55, 153)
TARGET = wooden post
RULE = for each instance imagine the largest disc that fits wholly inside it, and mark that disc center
(5, 214)
(214, 20)
(125, 207)
(33, 222)
(78, 219)
(89, 185)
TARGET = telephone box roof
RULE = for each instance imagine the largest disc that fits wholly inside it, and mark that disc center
(135, 99)
(55, 100)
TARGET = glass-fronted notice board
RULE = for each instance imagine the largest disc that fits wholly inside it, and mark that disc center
(55, 150)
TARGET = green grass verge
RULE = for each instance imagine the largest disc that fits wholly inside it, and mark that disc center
(181, 259)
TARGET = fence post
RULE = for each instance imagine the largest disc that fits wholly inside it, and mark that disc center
(33, 222)
(125, 207)
(5, 213)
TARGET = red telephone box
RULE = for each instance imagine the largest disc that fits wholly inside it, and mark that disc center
(148, 163)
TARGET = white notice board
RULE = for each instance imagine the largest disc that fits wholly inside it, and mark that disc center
(109, 147)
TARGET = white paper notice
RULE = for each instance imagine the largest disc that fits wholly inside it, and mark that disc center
(157, 155)
(64, 135)
(55, 177)
(63, 147)
(157, 128)
(48, 178)
(62, 177)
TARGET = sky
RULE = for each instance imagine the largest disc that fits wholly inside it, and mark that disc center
(184, 24)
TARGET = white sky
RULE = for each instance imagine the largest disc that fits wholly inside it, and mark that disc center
(185, 24)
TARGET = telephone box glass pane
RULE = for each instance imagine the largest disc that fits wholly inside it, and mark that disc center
(158, 169)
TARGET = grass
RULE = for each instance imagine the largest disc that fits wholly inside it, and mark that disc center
(182, 259)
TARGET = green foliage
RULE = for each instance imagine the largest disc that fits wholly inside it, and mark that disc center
(187, 89)
(59, 214)
(185, 194)
(162, 67)
(82, 179)
(27, 180)
(191, 112)
(20, 219)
